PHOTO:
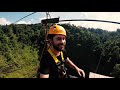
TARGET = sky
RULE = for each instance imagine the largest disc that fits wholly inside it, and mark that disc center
(12, 17)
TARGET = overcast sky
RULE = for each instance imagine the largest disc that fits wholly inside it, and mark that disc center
(11, 17)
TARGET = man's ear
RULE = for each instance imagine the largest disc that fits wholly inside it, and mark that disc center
(49, 41)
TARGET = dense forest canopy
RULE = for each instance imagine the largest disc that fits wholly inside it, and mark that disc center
(94, 50)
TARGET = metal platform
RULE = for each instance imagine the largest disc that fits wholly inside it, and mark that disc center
(95, 75)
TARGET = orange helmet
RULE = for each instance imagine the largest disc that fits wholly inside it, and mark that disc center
(57, 29)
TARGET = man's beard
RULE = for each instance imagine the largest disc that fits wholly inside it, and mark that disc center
(57, 47)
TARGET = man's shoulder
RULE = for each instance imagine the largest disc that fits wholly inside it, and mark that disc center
(46, 59)
(46, 55)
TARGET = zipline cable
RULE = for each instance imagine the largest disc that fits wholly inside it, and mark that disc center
(24, 17)
(90, 20)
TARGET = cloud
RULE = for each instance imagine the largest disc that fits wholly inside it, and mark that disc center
(108, 16)
(101, 25)
(4, 21)
(42, 18)
(24, 22)
(32, 19)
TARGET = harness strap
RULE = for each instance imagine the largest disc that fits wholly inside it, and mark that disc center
(61, 67)
(54, 57)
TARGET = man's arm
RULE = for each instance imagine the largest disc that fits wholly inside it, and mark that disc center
(44, 69)
(73, 66)
(44, 75)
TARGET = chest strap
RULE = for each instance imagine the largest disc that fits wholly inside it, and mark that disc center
(54, 57)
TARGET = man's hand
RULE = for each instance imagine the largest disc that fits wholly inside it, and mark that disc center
(72, 65)
(80, 72)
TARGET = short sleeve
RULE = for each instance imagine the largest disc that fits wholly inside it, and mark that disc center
(44, 67)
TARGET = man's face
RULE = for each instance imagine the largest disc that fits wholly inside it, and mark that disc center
(59, 42)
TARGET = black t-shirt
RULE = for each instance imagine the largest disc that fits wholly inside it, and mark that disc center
(48, 65)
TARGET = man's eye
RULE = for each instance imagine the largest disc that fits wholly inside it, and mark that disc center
(59, 38)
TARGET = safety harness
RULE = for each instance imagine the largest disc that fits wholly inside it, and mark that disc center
(61, 67)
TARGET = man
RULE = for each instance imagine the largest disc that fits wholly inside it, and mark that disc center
(54, 60)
